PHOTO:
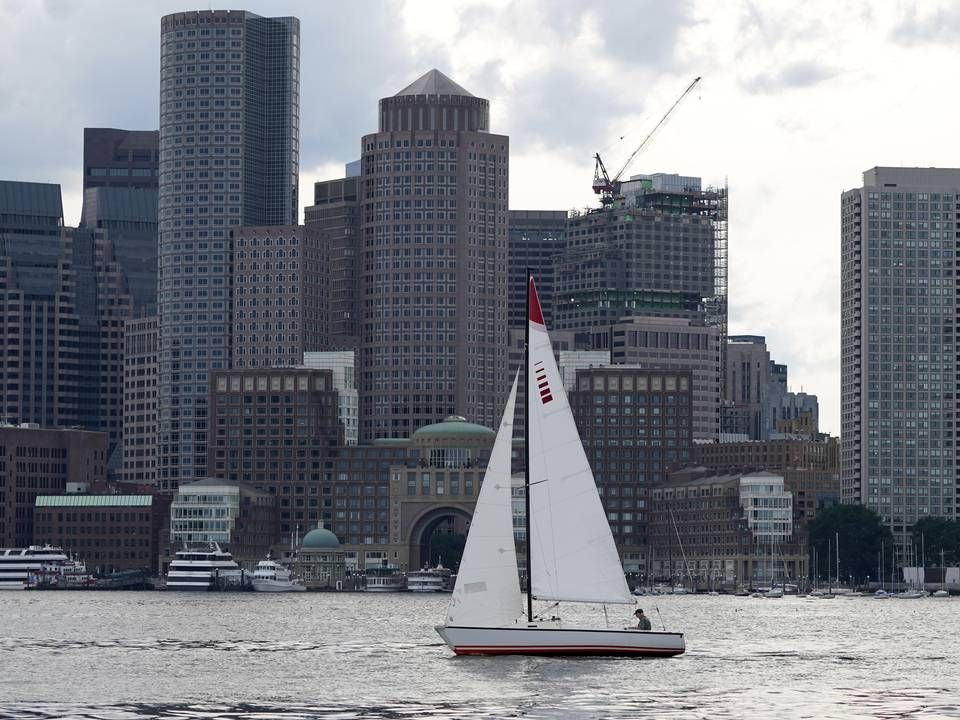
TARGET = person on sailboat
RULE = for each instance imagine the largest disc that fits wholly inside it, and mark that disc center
(643, 622)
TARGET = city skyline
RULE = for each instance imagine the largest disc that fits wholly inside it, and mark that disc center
(770, 116)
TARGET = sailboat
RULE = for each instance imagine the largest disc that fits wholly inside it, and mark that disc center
(571, 556)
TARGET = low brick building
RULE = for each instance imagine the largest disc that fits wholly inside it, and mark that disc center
(38, 461)
(108, 532)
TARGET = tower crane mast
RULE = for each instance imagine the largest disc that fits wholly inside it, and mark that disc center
(609, 188)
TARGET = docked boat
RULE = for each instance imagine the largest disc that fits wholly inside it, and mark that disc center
(42, 567)
(205, 567)
(429, 580)
(571, 554)
(774, 592)
(385, 578)
(271, 576)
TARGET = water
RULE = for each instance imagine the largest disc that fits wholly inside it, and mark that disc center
(128, 656)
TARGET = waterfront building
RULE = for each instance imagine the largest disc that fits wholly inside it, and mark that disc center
(36, 461)
(810, 468)
(334, 217)
(320, 561)
(140, 371)
(898, 345)
(229, 155)
(269, 426)
(242, 519)
(342, 363)
(110, 533)
(635, 424)
(433, 264)
(120, 158)
(536, 237)
(279, 295)
(724, 530)
(677, 344)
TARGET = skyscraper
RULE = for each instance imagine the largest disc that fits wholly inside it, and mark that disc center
(536, 238)
(229, 144)
(334, 219)
(120, 158)
(660, 251)
(433, 269)
(898, 373)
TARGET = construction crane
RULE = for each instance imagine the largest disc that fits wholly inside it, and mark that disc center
(609, 188)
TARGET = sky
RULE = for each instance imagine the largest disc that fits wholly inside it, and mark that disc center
(796, 101)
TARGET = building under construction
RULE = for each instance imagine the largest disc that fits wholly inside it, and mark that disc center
(660, 249)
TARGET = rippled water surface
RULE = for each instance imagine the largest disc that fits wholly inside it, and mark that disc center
(127, 656)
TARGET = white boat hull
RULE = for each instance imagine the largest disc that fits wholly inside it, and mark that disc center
(277, 586)
(558, 640)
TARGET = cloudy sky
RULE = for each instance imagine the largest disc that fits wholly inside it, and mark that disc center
(797, 100)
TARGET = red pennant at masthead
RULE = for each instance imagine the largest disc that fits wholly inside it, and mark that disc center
(535, 314)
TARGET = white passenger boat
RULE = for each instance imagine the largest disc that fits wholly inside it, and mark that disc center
(271, 576)
(385, 578)
(429, 580)
(41, 566)
(203, 567)
(571, 554)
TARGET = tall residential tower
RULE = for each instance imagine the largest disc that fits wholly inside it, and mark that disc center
(229, 144)
(898, 382)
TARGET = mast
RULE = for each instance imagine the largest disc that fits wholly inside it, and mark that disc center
(526, 450)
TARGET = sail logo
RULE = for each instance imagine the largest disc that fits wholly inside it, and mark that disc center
(542, 385)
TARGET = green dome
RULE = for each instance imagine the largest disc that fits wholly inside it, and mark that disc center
(320, 539)
(456, 426)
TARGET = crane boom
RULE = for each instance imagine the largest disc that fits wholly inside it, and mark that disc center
(608, 187)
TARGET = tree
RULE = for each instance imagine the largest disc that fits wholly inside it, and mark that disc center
(861, 532)
(933, 534)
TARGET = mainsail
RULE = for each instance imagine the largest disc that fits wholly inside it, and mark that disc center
(487, 592)
(573, 556)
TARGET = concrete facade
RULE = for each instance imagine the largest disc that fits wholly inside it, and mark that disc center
(433, 268)
(898, 344)
(229, 156)
(140, 372)
(280, 299)
(668, 344)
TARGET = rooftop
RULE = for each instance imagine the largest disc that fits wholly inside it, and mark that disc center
(433, 82)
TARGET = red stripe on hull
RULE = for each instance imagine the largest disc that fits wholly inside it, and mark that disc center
(563, 650)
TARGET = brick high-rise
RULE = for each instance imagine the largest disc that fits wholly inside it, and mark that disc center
(433, 267)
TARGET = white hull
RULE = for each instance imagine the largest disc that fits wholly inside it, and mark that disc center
(385, 588)
(277, 586)
(554, 639)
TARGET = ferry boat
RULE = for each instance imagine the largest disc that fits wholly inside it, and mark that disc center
(429, 580)
(386, 578)
(204, 567)
(271, 576)
(43, 567)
